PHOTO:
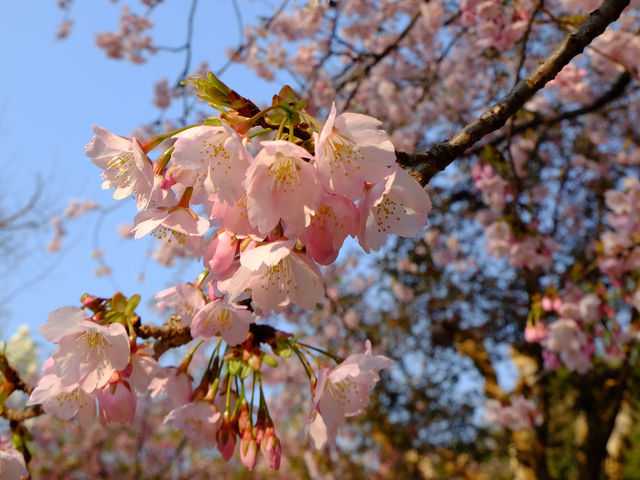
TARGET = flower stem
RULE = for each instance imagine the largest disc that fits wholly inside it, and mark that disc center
(335, 358)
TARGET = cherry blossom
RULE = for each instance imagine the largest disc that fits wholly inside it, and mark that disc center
(335, 219)
(277, 276)
(126, 168)
(185, 299)
(116, 403)
(218, 158)
(350, 151)
(199, 420)
(12, 466)
(228, 320)
(281, 185)
(398, 207)
(520, 414)
(176, 383)
(90, 355)
(343, 392)
(571, 344)
(63, 401)
(179, 224)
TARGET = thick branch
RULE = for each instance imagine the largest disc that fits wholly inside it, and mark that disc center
(439, 156)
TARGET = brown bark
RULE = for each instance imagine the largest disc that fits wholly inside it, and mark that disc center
(600, 399)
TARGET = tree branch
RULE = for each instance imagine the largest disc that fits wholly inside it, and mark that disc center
(170, 335)
(426, 164)
(616, 90)
(20, 415)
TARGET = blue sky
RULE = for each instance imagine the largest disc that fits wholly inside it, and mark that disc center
(50, 95)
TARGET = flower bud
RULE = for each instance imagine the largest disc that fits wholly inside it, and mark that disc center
(226, 439)
(254, 362)
(270, 447)
(91, 301)
(248, 450)
(244, 418)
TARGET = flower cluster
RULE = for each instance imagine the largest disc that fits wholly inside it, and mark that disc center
(530, 251)
(585, 322)
(95, 359)
(519, 414)
(276, 213)
(263, 216)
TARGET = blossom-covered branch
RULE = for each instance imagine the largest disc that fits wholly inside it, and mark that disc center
(426, 164)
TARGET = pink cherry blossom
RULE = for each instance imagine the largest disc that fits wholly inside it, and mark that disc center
(589, 307)
(280, 184)
(176, 383)
(350, 151)
(234, 218)
(226, 439)
(63, 321)
(63, 401)
(335, 219)
(248, 450)
(185, 299)
(571, 85)
(144, 368)
(179, 224)
(126, 168)
(343, 392)
(536, 332)
(398, 208)
(521, 414)
(12, 466)
(88, 357)
(218, 158)
(571, 344)
(228, 320)
(277, 276)
(270, 447)
(199, 421)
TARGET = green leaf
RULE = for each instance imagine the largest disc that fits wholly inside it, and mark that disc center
(132, 304)
(114, 317)
(118, 302)
(287, 94)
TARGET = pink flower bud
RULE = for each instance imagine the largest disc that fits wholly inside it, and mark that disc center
(226, 440)
(270, 447)
(116, 403)
(248, 450)
(557, 304)
(244, 419)
(547, 304)
(535, 332)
